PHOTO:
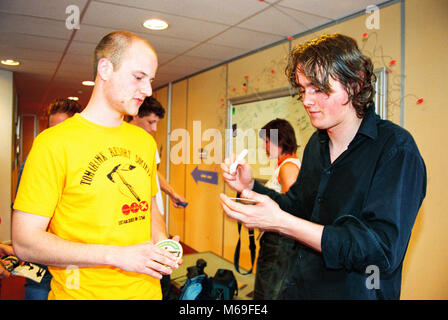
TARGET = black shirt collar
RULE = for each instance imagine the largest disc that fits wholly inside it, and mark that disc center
(368, 127)
(369, 124)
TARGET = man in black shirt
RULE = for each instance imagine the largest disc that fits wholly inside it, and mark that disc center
(362, 182)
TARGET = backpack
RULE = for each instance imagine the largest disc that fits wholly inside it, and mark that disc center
(223, 285)
(196, 288)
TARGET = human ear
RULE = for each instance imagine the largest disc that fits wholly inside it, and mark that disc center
(104, 68)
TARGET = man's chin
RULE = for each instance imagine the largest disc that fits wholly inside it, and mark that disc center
(133, 110)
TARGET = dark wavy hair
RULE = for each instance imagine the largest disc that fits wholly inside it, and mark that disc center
(339, 57)
(286, 135)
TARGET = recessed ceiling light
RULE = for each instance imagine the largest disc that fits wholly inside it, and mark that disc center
(10, 62)
(73, 98)
(155, 24)
(88, 83)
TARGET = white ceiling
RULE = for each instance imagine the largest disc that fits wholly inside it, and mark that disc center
(202, 34)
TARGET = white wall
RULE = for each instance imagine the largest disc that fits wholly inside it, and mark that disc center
(6, 115)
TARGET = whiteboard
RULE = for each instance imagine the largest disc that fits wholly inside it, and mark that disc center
(248, 117)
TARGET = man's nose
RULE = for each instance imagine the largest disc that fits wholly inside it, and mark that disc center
(146, 89)
(307, 99)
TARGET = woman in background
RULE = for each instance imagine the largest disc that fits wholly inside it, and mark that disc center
(280, 143)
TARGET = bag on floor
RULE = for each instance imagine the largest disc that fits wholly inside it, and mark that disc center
(197, 288)
(224, 285)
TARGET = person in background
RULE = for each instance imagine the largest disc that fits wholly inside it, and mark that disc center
(58, 111)
(149, 114)
(62, 109)
(275, 249)
(360, 187)
(284, 150)
(86, 203)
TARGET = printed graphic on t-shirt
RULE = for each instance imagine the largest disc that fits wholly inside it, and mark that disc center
(101, 157)
(119, 169)
(116, 175)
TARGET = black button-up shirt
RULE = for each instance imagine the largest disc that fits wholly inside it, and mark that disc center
(367, 200)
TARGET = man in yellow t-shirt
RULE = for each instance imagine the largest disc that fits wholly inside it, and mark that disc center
(84, 206)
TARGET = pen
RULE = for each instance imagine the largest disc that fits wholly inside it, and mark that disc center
(240, 157)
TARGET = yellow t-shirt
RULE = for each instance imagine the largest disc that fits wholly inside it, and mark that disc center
(96, 185)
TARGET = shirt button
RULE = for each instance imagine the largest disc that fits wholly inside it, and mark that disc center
(320, 199)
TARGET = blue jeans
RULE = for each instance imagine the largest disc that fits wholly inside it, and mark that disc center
(38, 291)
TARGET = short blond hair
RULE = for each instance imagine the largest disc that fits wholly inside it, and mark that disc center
(113, 46)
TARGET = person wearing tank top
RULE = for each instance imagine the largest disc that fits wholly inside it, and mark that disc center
(288, 164)
(272, 262)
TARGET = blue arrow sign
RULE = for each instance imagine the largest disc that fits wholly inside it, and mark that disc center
(204, 176)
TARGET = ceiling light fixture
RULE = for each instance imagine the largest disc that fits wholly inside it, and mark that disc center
(10, 62)
(73, 98)
(88, 83)
(155, 24)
